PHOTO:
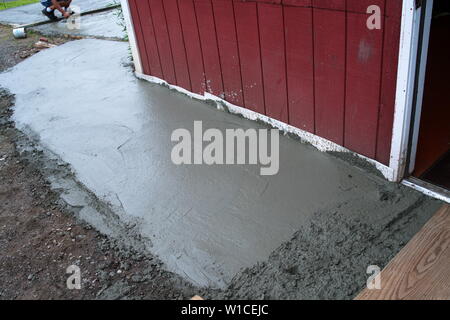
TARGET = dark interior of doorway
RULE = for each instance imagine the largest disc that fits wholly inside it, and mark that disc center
(433, 150)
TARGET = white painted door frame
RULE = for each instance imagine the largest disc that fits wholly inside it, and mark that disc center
(131, 36)
(409, 44)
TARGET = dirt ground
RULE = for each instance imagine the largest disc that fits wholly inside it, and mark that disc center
(39, 238)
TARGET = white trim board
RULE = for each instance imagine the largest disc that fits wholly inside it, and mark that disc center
(131, 36)
(319, 143)
(427, 189)
(409, 42)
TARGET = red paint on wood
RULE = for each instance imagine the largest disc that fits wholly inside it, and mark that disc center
(269, 1)
(207, 29)
(361, 6)
(139, 37)
(229, 51)
(250, 57)
(273, 60)
(389, 79)
(177, 44)
(300, 66)
(329, 4)
(364, 57)
(298, 3)
(329, 71)
(151, 48)
(163, 40)
(192, 42)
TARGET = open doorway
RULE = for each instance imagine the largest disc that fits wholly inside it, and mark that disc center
(432, 159)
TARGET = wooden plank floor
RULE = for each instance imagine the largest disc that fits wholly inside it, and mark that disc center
(421, 270)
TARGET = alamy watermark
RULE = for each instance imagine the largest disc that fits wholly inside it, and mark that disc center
(374, 280)
(236, 146)
(74, 280)
(374, 20)
(74, 21)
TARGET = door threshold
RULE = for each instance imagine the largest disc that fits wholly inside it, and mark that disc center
(428, 189)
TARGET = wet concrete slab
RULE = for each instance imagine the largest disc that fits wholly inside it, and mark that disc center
(205, 223)
(32, 12)
(101, 25)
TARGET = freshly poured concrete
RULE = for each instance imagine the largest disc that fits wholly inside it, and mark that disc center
(204, 222)
(102, 25)
(99, 25)
(32, 12)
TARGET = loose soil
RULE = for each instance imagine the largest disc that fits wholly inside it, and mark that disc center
(40, 238)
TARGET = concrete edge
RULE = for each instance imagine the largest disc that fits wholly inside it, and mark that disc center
(319, 143)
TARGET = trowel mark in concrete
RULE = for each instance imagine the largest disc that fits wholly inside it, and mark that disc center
(205, 222)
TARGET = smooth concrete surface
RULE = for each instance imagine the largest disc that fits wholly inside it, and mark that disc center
(102, 25)
(204, 222)
(99, 25)
(32, 12)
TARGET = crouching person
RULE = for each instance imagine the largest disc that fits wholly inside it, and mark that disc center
(52, 5)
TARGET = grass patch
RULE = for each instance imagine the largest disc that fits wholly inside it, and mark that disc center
(17, 3)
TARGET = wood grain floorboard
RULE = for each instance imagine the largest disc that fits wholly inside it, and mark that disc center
(421, 270)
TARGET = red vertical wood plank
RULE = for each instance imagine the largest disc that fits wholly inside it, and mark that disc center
(271, 28)
(361, 6)
(269, 1)
(192, 42)
(329, 72)
(300, 66)
(162, 40)
(364, 58)
(228, 50)
(143, 10)
(250, 57)
(298, 3)
(330, 4)
(139, 37)
(389, 79)
(210, 51)
(177, 43)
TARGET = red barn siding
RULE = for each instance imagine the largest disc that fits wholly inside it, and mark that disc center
(273, 57)
(388, 79)
(246, 14)
(163, 40)
(329, 73)
(191, 36)
(142, 14)
(177, 43)
(228, 51)
(210, 51)
(300, 65)
(311, 63)
(362, 85)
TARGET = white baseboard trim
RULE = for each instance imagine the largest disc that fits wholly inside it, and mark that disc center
(319, 143)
